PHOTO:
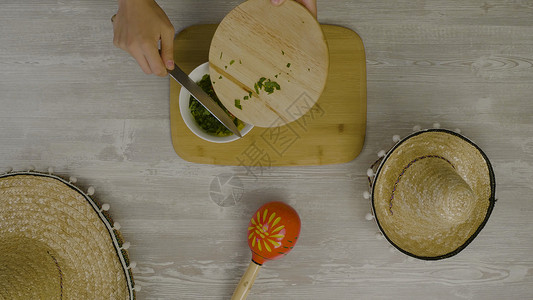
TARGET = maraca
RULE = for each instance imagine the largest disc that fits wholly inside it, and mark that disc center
(272, 233)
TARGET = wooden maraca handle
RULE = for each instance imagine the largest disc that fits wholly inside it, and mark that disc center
(247, 280)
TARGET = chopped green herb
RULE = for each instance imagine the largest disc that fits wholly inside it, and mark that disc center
(240, 62)
(204, 118)
(308, 69)
(267, 85)
(270, 86)
(220, 77)
(276, 75)
(260, 82)
(250, 95)
(245, 98)
(225, 67)
(282, 52)
(238, 104)
(220, 55)
(288, 65)
(232, 62)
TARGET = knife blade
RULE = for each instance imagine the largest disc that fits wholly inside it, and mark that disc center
(204, 99)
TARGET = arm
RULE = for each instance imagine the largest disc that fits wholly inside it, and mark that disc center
(139, 25)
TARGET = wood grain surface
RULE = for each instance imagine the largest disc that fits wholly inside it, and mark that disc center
(70, 100)
(258, 44)
(330, 131)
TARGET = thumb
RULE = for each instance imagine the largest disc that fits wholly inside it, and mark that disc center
(167, 48)
(277, 2)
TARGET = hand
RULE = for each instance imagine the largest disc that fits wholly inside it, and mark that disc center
(138, 26)
(309, 4)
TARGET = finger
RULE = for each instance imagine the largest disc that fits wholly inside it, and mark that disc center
(310, 5)
(154, 61)
(167, 48)
(141, 60)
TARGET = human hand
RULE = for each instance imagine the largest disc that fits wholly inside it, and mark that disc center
(309, 4)
(138, 26)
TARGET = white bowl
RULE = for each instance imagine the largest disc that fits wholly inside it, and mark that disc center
(184, 97)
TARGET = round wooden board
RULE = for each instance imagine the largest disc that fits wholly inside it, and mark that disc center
(282, 44)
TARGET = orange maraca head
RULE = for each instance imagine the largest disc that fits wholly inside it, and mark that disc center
(273, 231)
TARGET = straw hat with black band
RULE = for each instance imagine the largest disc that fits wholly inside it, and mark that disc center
(433, 193)
(57, 243)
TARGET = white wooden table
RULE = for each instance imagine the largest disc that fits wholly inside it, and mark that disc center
(70, 100)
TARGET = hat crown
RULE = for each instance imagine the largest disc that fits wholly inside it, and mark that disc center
(29, 269)
(440, 192)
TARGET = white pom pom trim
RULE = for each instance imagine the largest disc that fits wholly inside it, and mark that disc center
(73, 179)
(106, 207)
(417, 128)
(436, 125)
(366, 195)
(132, 265)
(369, 217)
(126, 245)
(90, 191)
(381, 153)
(396, 138)
(370, 172)
(116, 226)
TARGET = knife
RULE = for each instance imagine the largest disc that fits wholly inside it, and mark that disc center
(204, 99)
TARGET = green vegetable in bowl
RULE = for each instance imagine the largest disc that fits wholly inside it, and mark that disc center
(204, 118)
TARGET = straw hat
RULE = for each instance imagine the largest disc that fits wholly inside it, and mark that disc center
(432, 194)
(57, 243)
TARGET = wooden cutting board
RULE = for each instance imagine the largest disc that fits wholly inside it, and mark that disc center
(332, 131)
(258, 48)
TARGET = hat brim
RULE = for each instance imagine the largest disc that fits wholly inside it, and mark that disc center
(473, 166)
(51, 227)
